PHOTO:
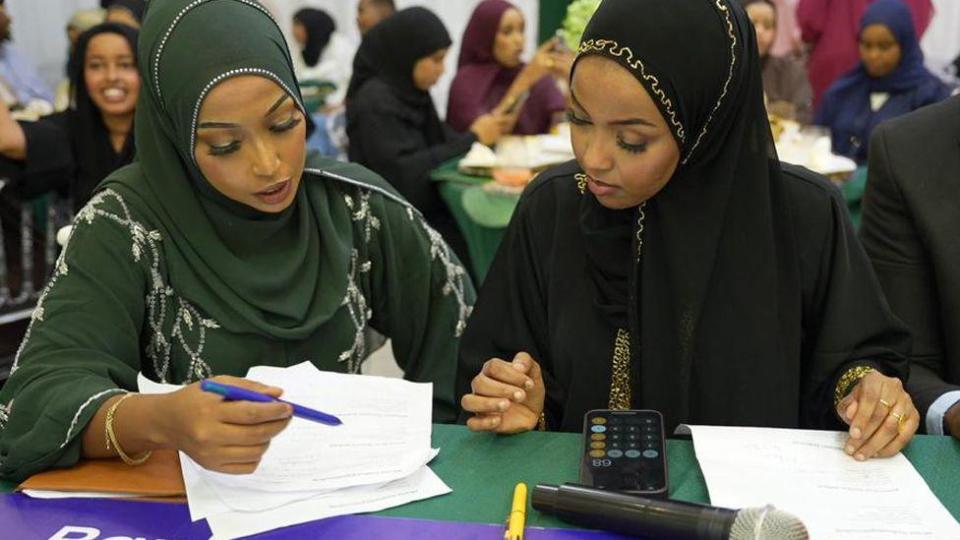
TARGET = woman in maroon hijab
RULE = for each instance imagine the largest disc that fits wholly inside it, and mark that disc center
(492, 78)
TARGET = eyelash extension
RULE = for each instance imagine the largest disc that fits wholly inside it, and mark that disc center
(573, 119)
(631, 148)
(235, 145)
(286, 126)
(224, 150)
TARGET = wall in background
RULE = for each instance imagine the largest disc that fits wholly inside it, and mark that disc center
(39, 28)
(40, 31)
(454, 13)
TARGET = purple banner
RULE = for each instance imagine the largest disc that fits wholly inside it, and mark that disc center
(24, 518)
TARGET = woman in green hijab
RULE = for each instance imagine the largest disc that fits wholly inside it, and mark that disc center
(222, 247)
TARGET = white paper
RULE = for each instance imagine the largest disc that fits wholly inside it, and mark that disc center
(47, 494)
(205, 501)
(376, 459)
(423, 484)
(807, 474)
(385, 435)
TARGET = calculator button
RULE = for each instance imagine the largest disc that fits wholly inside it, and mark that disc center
(598, 436)
(599, 420)
(650, 454)
(598, 429)
(632, 453)
(615, 453)
(598, 444)
(597, 453)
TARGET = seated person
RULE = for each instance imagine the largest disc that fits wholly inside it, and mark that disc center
(224, 246)
(829, 29)
(128, 12)
(325, 55)
(676, 265)
(910, 231)
(890, 80)
(785, 83)
(492, 78)
(371, 12)
(73, 150)
(392, 122)
(81, 21)
(20, 84)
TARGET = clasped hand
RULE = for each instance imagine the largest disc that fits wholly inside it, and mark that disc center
(881, 416)
(506, 397)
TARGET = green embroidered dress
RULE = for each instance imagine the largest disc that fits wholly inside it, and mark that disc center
(164, 275)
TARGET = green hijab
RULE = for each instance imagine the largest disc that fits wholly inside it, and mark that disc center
(277, 275)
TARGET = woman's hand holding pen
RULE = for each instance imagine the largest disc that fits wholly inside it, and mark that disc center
(506, 397)
(224, 436)
(881, 416)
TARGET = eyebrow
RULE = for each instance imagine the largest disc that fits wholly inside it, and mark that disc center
(621, 122)
(225, 125)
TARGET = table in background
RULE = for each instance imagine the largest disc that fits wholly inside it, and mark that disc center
(482, 470)
(481, 216)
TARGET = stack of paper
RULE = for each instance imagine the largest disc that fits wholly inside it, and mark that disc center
(807, 474)
(376, 459)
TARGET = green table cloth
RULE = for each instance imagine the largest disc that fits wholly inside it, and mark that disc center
(481, 216)
(482, 470)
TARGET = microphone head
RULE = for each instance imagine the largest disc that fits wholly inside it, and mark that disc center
(767, 523)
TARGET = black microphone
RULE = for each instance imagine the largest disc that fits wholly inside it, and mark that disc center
(654, 518)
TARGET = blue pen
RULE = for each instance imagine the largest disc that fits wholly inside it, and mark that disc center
(235, 393)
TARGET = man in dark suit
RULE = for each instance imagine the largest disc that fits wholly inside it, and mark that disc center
(911, 230)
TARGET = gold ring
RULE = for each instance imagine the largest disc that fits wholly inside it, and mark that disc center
(900, 419)
(551, 63)
(885, 403)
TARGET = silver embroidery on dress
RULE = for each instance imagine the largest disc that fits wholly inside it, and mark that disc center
(91, 399)
(357, 306)
(5, 414)
(455, 273)
(188, 328)
(365, 217)
(360, 314)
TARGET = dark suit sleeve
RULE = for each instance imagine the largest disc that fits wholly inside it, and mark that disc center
(897, 250)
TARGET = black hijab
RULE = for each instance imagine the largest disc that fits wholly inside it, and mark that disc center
(389, 52)
(727, 185)
(320, 27)
(93, 153)
(392, 48)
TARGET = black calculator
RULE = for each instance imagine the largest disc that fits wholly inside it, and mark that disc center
(625, 451)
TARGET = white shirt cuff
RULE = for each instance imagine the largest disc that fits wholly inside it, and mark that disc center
(938, 409)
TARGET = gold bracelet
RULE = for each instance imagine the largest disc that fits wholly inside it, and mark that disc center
(112, 437)
(542, 422)
(848, 380)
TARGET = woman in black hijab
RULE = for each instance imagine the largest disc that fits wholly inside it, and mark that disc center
(392, 122)
(677, 265)
(72, 151)
(315, 29)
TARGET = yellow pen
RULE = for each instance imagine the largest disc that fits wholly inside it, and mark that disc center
(518, 513)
